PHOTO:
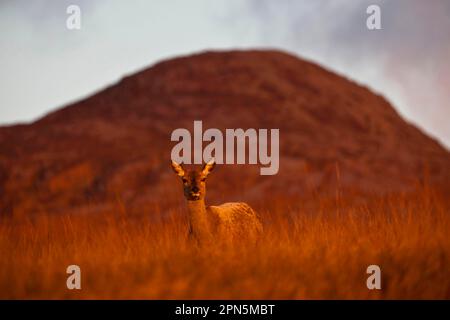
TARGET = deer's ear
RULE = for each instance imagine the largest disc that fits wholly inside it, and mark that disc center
(178, 169)
(208, 167)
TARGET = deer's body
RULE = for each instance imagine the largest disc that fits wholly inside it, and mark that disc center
(227, 222)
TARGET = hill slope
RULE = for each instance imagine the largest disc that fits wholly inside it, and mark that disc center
(113, 148)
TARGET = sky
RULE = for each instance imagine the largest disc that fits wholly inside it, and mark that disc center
(44, 65)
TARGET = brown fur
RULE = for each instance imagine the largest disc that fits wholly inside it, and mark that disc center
(237, 220)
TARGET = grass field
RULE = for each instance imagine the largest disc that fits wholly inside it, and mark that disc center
(304, 254)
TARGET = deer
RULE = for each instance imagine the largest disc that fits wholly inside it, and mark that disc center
(224, 223)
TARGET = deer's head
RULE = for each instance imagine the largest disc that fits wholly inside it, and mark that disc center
(194, 181)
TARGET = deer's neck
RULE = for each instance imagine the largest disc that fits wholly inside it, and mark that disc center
(198, 219)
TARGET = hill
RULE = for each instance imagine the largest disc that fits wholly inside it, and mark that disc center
(113, 149)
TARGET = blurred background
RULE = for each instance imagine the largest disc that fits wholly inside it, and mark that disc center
(44, 65)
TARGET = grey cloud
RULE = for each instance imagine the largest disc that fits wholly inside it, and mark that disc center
(407, 60)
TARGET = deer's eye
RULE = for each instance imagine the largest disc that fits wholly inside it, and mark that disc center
(184, 180)
(203, 179)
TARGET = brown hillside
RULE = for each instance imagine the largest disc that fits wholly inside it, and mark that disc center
(113, 149)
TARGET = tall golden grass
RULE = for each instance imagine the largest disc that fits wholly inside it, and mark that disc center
(319, 252)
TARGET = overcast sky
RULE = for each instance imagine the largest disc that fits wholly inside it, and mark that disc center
(43, 65)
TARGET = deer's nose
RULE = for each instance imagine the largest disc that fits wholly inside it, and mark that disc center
(195, 189)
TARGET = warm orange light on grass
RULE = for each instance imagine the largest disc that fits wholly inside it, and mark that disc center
(312, 254)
